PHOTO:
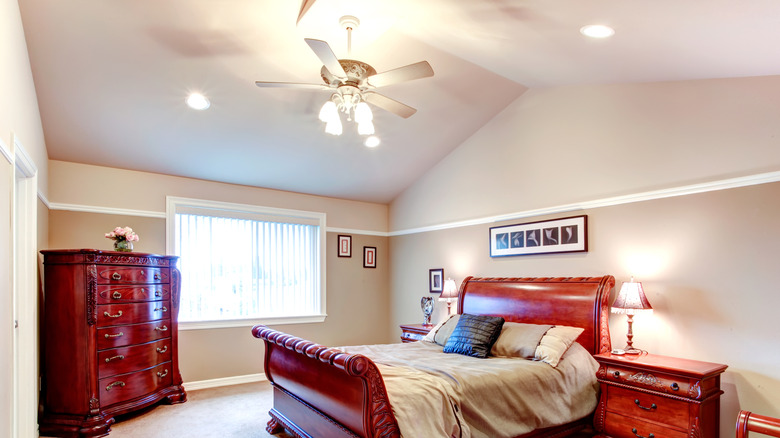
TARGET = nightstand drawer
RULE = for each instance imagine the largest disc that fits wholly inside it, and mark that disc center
(618, 426)
(655, 381)
(412, 336)
(648, 407)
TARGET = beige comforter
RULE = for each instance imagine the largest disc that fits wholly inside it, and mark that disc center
(450, 395)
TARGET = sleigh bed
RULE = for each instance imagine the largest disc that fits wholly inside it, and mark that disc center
(331, 392)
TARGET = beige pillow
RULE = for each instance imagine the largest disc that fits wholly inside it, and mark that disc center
(442, 331)
(555, 342)
(519, 340)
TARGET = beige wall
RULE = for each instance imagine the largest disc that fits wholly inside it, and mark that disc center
(574, 144)
(708, 263)
(356, 297)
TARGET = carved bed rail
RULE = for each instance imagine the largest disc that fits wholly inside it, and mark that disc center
(344, 391)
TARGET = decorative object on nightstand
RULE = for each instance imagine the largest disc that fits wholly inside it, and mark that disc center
(631, 300)
(657, 396)
(449, 294)
(426, 303)
(414, 332)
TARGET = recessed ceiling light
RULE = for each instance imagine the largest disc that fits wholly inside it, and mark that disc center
(372, 142)
(597, 31)
(198, 101)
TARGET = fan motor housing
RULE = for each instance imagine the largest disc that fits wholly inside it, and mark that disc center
(357, 73)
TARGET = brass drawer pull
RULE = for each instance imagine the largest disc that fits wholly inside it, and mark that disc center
(649, 435)
(162, 374)
(163, 308)
(158, 293)
(116, 295)
(162, 350)
(115, 336)
(112, 316)
(652, 406)
(116, 276)
(162, 329)
(113, 384)
(156, 275)
(109, 359)
(616, 374)
(675, 386)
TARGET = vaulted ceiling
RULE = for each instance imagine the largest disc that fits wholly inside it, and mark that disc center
(112, 77)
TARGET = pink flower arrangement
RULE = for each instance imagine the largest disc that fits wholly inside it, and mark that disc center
(120, 234)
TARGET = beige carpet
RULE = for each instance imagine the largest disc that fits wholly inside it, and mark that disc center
(237, 411)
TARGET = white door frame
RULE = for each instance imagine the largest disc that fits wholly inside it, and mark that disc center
(25, 292)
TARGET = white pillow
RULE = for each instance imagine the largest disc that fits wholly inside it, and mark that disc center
(555, 342)
(442, 331)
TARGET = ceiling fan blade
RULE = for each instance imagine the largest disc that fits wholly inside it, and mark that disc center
(305, 5)
(390, 105)
(263, 84)
(326, 55)
(410, 72)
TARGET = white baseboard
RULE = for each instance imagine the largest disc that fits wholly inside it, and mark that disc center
(224, 381)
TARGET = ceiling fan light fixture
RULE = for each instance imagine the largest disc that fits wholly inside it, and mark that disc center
(363, 113)
(334, 127)
(372, 142)
(366, 127)
(597, 31)
(329, 112)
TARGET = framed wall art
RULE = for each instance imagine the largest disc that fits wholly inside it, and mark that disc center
(436, 280)
(345, 245)
(568, 234)
(369, 257)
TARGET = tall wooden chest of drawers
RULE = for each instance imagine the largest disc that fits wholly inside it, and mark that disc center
(109, 338)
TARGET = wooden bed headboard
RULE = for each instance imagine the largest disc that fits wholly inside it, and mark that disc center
(571, 301)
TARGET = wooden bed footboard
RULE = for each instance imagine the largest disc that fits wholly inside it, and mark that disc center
(324, 391)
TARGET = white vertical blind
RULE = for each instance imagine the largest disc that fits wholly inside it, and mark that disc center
(236, 268)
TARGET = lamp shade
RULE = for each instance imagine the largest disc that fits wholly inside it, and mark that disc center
(450, 290)
(631, 299)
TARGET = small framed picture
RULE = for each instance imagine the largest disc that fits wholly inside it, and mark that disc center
(345, 245)
(369, 257)
(436, 280)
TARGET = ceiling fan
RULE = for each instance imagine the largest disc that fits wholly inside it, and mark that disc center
(353, 83)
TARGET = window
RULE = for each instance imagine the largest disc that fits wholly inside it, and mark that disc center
(242, 264)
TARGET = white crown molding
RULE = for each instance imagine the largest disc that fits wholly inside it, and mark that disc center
(106, 210)
(353, 231)
(44, 199)
(762, 178)
(6, 152)
(24, 163)
(225, 381)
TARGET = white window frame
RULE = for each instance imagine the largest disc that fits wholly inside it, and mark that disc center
(173, 202)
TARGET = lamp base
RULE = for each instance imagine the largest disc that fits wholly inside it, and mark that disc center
(631, 350)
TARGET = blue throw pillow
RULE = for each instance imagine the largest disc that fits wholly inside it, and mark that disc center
(474, 335)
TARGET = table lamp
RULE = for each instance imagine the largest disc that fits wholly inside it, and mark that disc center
(631, 300)
(449, 293)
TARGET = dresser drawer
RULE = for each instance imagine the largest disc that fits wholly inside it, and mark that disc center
(648, 406)
(112, 337)
(619, 426)
(124, 294)
(133, 358)
(656, 381)
(128, 274)
(120, 314)
(125, 387)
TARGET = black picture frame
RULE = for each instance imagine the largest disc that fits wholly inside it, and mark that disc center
(569, 234)
(369, 257)
(436, 280)
(344, 245)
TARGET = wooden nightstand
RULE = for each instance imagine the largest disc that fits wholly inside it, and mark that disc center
(414, 332)
(657, 396)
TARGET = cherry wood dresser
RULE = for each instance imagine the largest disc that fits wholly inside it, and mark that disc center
(108, 338)
(657, 396)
